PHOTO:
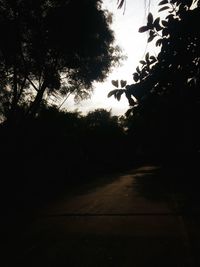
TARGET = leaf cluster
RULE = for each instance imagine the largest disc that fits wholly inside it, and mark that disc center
(167, 87)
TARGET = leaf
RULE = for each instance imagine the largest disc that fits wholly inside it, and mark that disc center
(138, 69)
(127, 92)
(163, 2)
(120, 3)
(170, 17)
(136, 76)
(156, 21)
(115, 83)
(131, 102)
(113, 92)
(143, 29)
(123, 83)
(151, 37)
(128, 112)
(142, 62)
(182, 9)
(147, 56)
(157, 25)
(159, 42)
(119, 94)
(163, 8)
(153, 59)
(165, 32)
(150, 19)
(165, 23)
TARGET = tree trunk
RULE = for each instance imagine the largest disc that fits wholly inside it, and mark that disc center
(36, 103)
(12, 116)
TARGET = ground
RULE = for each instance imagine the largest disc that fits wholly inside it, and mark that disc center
(136, 218)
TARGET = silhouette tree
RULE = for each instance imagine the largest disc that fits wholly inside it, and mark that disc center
(104, 138)
(51, 48)
(164, 97)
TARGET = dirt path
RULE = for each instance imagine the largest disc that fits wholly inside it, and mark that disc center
(110, 225)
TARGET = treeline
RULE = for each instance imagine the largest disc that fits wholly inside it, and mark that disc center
(58, 148)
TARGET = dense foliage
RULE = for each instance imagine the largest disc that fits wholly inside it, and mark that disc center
(51, 48)
(165, 96)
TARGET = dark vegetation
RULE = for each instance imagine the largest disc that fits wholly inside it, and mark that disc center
(57, 48)
(163, 119)
(50, 50)
(59, 149)
(165, 98)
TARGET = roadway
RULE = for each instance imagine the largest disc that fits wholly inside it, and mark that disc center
(117, 222)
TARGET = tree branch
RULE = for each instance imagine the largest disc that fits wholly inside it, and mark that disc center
(32, 84)
(64, 100)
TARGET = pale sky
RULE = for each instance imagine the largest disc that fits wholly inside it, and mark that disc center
(134, 46)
